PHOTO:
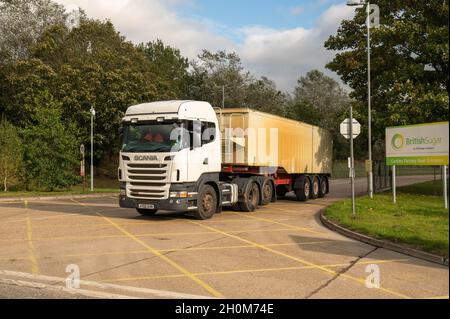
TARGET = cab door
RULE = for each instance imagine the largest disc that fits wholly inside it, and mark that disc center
(197, 159)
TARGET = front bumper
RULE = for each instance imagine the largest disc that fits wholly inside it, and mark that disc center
(171, 204)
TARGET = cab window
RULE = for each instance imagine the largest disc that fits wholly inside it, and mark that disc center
(208, 132)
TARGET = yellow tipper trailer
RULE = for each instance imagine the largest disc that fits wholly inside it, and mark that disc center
(302, 148)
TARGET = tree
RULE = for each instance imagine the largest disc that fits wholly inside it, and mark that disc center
(170, 69)
(215, 72)
(22, 22)
(21, 82)
(262, 95)
(220, 78)
(320, 100)
(96, 66)
(412, 39)
(50, 148)
(10, 153)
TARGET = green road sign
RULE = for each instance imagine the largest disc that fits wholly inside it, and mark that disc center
(422, 144)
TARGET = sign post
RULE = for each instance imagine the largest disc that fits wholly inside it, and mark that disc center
(394, 185)
(418, 145)
(444, 180)
(82, 166)
(350, 129)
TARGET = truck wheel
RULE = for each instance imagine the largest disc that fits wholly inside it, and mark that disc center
(251, 198)
(303, 192)
(315, 187)
(281, 190)
(236, 207)
(147, 212)
(267, 192)
(323, 187)
(206, 202)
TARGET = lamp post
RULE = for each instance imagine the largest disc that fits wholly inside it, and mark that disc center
(92, 111)
(369, 97)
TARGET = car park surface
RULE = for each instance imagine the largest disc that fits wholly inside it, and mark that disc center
(279, 251)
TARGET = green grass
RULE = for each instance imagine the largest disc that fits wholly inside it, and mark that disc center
(418, 220)
(101, 185)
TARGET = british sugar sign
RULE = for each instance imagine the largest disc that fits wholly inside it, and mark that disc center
(421, 144)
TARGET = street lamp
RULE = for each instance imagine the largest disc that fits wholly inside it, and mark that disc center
(369, 119)
(92, 111)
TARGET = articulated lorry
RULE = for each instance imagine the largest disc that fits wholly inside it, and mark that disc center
(186, 156)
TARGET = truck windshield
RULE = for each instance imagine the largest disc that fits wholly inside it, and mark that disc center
(152, 137)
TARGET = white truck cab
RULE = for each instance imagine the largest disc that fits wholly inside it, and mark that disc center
(170, 159)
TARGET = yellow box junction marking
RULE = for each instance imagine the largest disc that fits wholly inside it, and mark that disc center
(315, 266)
(181, 269)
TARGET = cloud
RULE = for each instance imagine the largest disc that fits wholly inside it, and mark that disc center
(282, 55)
(147, 20)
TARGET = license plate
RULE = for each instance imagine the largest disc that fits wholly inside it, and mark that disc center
(146, 206)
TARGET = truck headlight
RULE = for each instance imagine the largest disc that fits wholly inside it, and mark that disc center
(178, 194)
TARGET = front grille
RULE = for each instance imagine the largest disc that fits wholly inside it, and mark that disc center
(148, 181)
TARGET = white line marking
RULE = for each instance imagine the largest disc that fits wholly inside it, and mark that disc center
(80, 292)
(153, 292)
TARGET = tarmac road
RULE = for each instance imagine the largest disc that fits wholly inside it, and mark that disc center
(279, 251)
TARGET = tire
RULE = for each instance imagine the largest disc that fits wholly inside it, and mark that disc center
(147, 212)
(251, 197)
(323, 187)
(281, 191)
(315, 187)
(303, 192)
(236, 207)
(206, 202)
(267, 192)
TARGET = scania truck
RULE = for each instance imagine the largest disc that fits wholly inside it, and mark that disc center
(186, 156)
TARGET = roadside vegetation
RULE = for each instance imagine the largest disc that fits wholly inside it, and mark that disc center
(101, 185)
(418, 220)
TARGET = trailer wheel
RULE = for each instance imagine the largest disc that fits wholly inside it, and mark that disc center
(267, 192)
(147, 212)
(315, 187)
(323, 187)
(251, 198)
(304, 190)
(207, 203)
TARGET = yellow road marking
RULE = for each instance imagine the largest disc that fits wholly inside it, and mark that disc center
(167, 250)
(305, 262)
(240, 271)
(31, 255)
(181, 269)
(141, 223)
(147, 235)
(281, 224)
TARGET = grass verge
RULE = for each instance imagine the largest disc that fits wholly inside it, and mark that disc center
(101, 185)
(418, 220)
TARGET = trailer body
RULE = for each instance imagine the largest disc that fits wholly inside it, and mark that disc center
(300, 148)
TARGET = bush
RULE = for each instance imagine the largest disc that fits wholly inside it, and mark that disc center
(50, 149)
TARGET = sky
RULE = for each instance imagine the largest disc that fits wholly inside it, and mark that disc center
(280, 39)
